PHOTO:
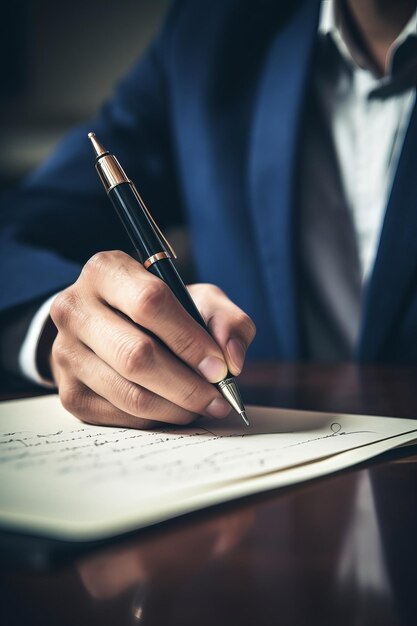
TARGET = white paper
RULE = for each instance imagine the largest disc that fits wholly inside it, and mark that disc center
(67, 479)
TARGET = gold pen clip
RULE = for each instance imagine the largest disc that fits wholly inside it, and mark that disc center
(160, 234)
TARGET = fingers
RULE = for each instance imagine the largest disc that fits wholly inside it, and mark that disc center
(125, 285)
(92, 409)
(147, 382)
(94, 388)
(232, 329)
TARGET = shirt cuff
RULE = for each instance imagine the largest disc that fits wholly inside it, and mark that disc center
(28, 351)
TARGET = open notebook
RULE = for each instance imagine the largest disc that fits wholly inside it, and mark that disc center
(65, 479)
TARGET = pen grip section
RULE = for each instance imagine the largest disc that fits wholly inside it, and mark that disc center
(136, 222)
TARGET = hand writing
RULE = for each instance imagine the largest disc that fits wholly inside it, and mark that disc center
(110, 370)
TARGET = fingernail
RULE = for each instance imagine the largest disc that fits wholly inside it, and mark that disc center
(237, 351)
(218, 408)
(213, 369)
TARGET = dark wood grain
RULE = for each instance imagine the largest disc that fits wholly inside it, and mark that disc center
(341, 550)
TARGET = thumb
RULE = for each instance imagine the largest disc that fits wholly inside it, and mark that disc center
(231, 328)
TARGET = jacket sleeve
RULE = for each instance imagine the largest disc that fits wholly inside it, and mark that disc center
(60, 216)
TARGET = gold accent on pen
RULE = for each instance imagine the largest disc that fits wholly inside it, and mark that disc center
(110, 172)
(154, 258)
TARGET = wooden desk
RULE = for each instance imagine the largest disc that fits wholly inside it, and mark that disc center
(340, 551)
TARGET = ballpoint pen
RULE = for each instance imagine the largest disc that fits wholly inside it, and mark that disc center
(152, 248)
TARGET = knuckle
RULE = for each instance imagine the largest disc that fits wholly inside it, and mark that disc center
(192, 398)
(65, 356)
(151, 299)
(139, 401)
(102, 262)
(186, 347)
(246, 325)
(137, 356)
(114, 263)
(73, 399)
(201, 291)
(63, 308)
(59, 353)
(97, 263)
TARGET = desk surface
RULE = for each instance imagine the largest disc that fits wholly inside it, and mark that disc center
(340, 550)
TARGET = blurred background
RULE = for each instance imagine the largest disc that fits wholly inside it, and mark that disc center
(59, 61)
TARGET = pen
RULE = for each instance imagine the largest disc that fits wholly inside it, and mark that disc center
(152, 248)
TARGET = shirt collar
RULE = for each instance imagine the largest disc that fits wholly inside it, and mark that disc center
(330, 26)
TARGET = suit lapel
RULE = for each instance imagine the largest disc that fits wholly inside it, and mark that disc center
(274, 143)
(396, 260)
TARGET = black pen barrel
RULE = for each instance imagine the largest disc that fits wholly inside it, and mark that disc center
(136, 221)
(147, 243)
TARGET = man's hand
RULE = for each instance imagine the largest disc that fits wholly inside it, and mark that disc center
(109, 370)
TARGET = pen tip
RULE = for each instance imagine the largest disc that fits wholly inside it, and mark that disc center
(244, 417)
(98, 148)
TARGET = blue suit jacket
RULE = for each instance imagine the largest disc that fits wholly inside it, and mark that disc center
(208, 126)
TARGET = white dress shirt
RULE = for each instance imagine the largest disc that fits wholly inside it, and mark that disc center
(368, 131)
(355, 124)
